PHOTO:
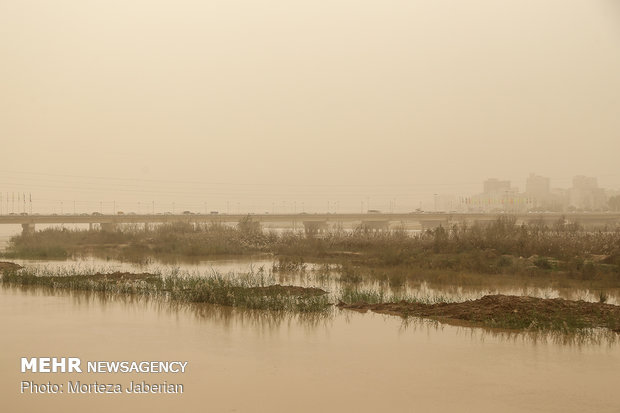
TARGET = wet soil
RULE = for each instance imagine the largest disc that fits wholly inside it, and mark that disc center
(119, 276)
(9, 266)
(504, 311)
(278, 289)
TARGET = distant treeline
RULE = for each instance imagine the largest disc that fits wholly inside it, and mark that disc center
(501, 246)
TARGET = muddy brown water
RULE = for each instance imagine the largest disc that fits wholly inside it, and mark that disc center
(243, 361)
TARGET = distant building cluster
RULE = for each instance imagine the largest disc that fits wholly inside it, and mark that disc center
(500, 196)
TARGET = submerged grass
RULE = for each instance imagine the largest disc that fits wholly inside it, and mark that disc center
(244, 291)
(354, 295)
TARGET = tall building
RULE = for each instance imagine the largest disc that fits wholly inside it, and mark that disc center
(538, 190)
(496, 196)
(585, 194)
(495, 186)
(537, 186)
(585, 183)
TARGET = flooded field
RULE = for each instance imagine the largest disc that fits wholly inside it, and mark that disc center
(255, 361)
(336, 360)
(313, 275)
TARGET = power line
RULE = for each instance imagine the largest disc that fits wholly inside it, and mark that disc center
(260, 183)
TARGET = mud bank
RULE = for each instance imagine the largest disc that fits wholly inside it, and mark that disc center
(513, 312)
(9, 266)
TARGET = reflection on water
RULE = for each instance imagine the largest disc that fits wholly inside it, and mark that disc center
(259, 361)
(318, 275)
(221, 264)
(223, 315)
(601, 337)
(266, 320)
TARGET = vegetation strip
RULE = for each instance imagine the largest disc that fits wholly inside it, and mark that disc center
(561, 253)
(510, 312)
(252, 292)
(245, 292)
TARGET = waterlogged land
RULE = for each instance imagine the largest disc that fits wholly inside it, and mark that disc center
(256, 291)
(560, 254)
(247, 291)
(503, 253)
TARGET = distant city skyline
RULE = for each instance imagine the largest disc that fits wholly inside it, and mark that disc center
(148, 196)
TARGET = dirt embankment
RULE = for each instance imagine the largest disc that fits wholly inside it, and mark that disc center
(119, 276)
(275, 289)
(9, 266)
(504, 311)
(289, 290)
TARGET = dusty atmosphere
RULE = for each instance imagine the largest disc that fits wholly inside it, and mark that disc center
(313, 206)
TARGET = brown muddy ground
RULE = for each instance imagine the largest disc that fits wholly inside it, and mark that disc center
(504, 311)
(289, 290)
(119, 276)
(276, 289)
(9, 266)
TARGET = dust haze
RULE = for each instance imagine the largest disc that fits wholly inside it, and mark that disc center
(303, 105)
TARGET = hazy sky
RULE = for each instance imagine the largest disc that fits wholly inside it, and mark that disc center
(271, 105)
